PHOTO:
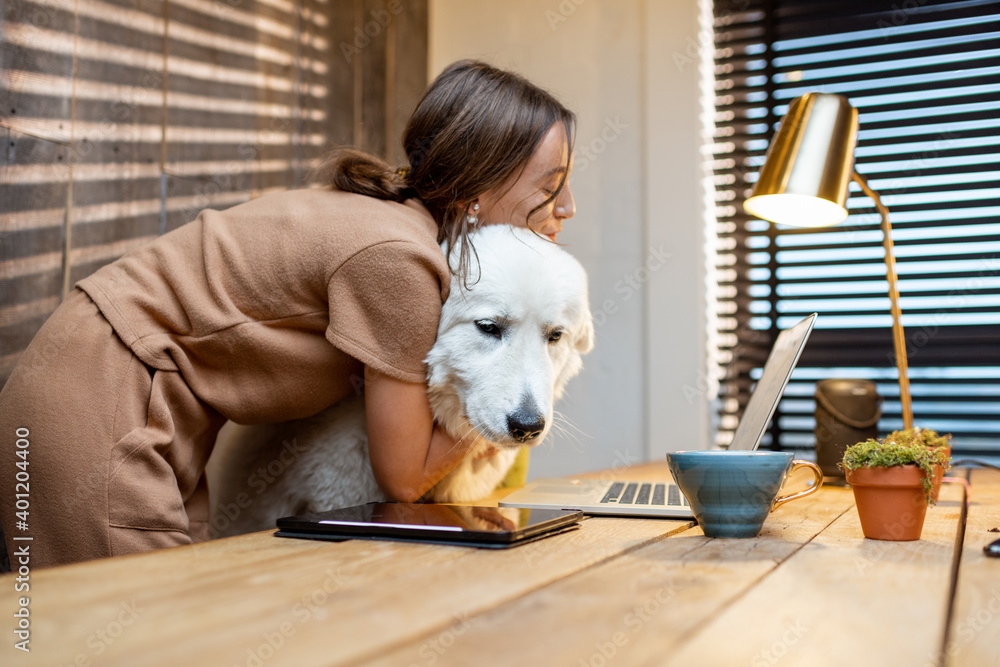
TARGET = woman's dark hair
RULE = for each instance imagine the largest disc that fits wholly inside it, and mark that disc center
(475, 127)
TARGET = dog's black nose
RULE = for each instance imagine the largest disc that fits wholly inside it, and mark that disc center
(524, 425)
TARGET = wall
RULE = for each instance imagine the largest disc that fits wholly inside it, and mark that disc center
(629, 69)
(121, 121)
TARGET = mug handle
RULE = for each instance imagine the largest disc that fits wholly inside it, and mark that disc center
(781, 500)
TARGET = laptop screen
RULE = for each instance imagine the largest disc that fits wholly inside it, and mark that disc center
(766, 394)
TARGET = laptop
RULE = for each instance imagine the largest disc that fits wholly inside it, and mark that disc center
(663, 498)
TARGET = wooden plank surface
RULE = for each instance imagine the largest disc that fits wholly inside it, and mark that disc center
(33, 177)
(843, 600)
(408, 50)
(118, 114)
(637, 608)
(374, 88)
(343, 80)
(36, 53)
(165, 109)
(292, 602)
(810, 590)
(974, 637)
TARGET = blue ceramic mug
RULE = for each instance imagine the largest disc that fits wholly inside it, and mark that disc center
(731, 493)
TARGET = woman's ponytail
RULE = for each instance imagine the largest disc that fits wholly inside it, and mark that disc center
(351, 170)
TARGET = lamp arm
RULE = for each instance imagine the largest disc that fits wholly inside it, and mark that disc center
(898, 340)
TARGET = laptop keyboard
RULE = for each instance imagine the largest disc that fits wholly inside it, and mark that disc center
(640, 493)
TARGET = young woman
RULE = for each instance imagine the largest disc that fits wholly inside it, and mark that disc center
(269, 311)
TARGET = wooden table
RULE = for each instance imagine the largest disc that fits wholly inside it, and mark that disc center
(809, 591)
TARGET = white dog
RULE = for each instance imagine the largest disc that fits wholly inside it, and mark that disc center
(506, 348)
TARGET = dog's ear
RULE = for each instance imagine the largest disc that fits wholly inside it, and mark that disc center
(584, 341)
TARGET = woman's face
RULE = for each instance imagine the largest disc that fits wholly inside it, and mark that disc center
(511, 201)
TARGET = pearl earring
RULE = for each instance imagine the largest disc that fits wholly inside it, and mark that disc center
(472, 220)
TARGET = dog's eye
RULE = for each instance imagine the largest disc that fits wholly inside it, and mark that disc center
(489, 328)
(554, 336)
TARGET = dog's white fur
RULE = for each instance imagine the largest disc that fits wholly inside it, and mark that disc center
(506, 347)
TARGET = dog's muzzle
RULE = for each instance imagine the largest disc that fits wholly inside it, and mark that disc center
(525, 423)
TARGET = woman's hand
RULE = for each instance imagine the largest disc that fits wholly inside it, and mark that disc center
(408, 453)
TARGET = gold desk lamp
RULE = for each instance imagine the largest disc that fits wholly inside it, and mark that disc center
(804, 181)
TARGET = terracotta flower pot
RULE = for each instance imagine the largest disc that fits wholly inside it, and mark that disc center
(938, 475)
(891, 501)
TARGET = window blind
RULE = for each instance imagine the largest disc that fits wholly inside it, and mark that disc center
(925, 78)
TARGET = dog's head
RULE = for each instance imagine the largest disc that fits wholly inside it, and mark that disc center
(509, 342)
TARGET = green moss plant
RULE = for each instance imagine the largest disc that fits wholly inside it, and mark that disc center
(889, 453)
(922, 436)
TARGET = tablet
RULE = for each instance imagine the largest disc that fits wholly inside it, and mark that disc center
(463, 525)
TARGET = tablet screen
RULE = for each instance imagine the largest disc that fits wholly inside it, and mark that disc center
(429, 521)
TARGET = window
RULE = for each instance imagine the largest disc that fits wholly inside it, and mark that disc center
(925, 78)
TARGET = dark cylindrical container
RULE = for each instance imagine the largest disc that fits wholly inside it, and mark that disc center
(847, 411)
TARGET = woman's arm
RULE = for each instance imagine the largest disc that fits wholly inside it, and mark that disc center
(408, 453)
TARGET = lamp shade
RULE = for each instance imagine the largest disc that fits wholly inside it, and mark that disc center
(809, 164)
